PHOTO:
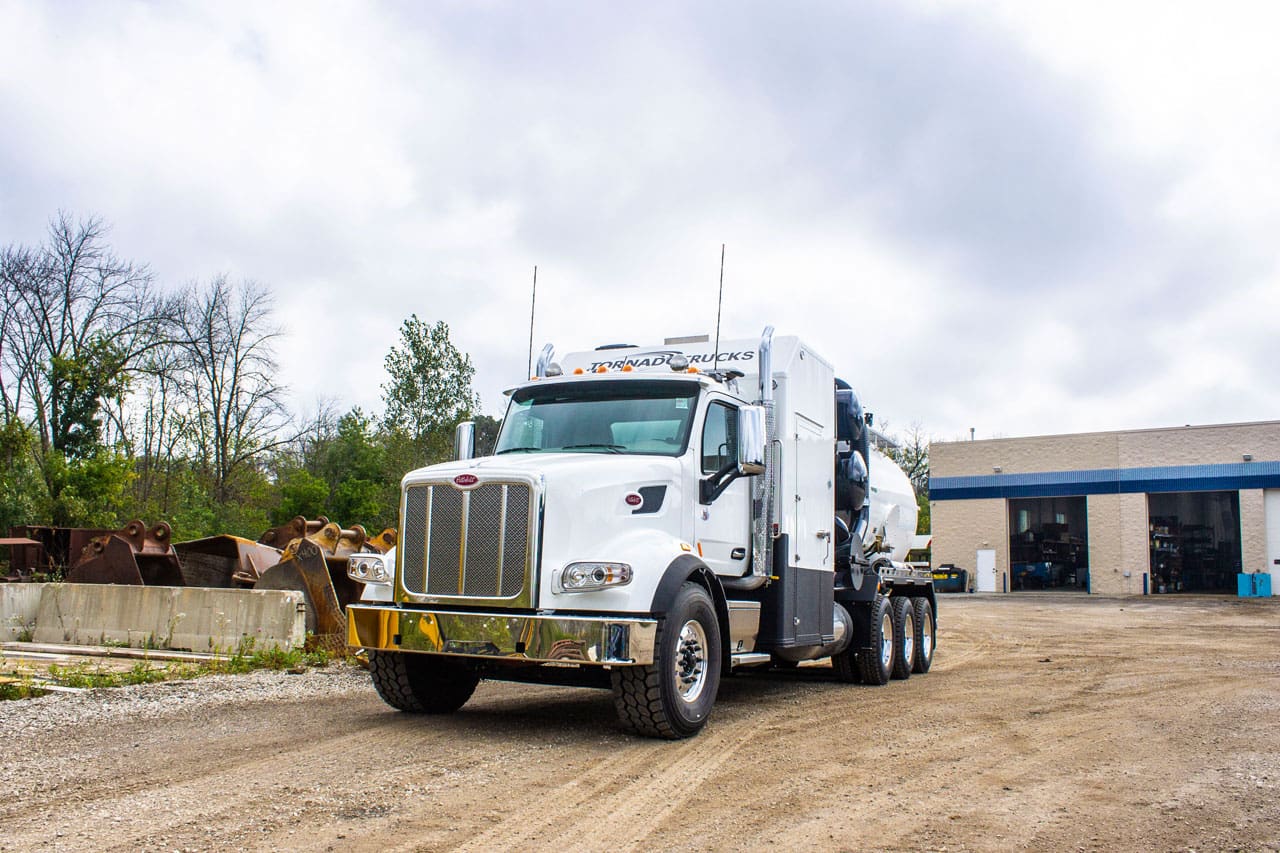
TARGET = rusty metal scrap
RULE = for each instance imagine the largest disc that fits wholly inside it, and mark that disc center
(131, 555)
(307, 555)
(224, 561)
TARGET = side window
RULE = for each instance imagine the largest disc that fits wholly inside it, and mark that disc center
(719, 437)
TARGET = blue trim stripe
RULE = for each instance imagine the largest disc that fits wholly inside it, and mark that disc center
(1109, 481)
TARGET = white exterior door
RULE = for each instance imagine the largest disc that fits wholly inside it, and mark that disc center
(986, 570)
(1271, 502)
(814, 497)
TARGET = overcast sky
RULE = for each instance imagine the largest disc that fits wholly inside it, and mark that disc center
(1019, 217)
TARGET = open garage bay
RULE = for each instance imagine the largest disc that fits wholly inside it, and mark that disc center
(1049, 721)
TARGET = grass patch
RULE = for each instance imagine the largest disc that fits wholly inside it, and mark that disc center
(93, 674)
(21, 689)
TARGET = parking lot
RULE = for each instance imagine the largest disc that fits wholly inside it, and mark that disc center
(1049, 721)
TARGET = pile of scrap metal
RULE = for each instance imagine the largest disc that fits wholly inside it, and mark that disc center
(305, 555)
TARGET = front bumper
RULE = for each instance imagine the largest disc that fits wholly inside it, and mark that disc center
(527, 638)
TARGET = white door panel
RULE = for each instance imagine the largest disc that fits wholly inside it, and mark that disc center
(986, 570)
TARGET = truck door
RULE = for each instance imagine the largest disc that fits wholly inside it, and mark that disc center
(814, 497)
(722, 529)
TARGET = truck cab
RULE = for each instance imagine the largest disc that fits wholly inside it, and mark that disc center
(650, 519)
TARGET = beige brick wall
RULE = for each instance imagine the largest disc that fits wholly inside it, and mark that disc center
(1117, 544)
(1087, 451)
(961, 528)
(1200, 445)
(1024, 455)
(1253, 531)
(1118, 524)
(1106, 551)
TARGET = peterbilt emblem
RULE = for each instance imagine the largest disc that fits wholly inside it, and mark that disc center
(633, 499)
(462, 481)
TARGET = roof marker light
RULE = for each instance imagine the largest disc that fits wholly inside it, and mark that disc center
(602, 369)
(578, 371)
(626, 368)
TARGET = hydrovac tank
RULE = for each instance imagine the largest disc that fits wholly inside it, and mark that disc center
(874, 498)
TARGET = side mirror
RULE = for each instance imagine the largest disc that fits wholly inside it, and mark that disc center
(464, 440)
(752, 440)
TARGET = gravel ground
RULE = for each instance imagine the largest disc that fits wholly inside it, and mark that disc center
(1048, 723)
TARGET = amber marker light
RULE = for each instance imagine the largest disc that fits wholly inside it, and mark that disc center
(578, 371)
(626, 368)
(602, 369)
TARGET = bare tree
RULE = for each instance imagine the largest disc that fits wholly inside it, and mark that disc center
(233, 411)
(77, 321)
(912, 456)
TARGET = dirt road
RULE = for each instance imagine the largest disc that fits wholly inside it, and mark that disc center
(1047, 723)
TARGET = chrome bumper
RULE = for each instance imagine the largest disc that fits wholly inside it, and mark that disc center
(532, 638)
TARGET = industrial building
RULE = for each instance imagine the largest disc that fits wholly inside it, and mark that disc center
(1156, 511)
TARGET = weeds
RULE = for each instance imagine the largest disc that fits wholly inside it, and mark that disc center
(245, 659)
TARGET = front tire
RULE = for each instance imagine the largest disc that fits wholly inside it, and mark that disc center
(672, 698)
(421, 684)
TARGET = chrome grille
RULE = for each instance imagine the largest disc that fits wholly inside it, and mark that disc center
(473, 543)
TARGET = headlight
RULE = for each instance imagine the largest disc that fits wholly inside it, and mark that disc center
(584, 577)
(368, 568)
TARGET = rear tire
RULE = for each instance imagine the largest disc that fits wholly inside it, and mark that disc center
(926, 635)
(904, 637)
(672, 698)
(875, 659)
(421, 684)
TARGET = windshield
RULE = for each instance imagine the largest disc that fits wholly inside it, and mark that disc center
(635, 416)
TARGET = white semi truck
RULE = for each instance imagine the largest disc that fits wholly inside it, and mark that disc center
(650, 520)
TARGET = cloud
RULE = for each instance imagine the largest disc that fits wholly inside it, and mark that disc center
(945, 199)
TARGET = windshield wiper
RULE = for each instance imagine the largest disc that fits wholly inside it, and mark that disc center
(612, 448)
(515, 450)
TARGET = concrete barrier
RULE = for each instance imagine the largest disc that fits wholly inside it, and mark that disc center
(196, 619)
(19, 604)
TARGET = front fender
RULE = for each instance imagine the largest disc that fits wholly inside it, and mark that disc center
(685, 568)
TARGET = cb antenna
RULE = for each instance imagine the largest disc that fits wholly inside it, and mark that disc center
(532, 305)
(719, 301)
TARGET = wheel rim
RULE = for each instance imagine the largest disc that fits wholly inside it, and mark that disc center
(886, 640)
(690, 669)
(926, 637)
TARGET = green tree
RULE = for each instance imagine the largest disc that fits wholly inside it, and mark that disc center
(429, 386)
(486, 434)
(22, 496)
(361, 490)
(301, 493)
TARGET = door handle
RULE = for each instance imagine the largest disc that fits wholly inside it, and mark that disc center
(738, 553)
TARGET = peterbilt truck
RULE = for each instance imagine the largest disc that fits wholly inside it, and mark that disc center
(650, 520)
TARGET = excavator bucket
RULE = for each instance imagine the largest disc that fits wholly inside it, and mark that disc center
(315, 562)
(303, 567)
(298, 527)
(224, 561)
(131, 555)
(383, 542)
